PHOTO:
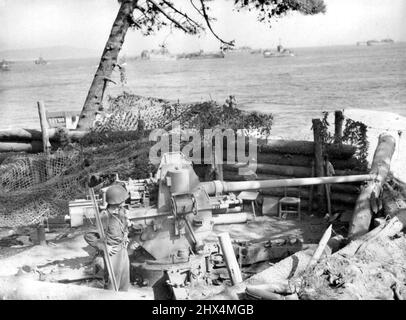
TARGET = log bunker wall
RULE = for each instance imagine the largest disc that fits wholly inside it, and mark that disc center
(284, 159)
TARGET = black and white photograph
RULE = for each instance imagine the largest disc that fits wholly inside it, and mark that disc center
(220, 152)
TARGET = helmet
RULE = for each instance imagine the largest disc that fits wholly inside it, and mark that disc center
(116, 194)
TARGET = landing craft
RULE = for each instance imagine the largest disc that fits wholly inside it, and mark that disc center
(4, 65)
(280, 52)
(41, 61)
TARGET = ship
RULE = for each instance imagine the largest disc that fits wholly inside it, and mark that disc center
(161, 54)
(256, 51)
(382, 42)
(4, 65)
(239, 50)
(201, 55)
(280, 52)
(41, 61)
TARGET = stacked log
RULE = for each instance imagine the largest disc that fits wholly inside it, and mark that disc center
(281, 159)
(334, 151)
(20, 135)
(34, 146)
(30, 140)
(300, 160)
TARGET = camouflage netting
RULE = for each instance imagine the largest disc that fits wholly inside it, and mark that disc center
(35, 187)
(125, 111)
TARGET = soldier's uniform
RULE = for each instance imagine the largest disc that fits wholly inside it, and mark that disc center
(116, 232)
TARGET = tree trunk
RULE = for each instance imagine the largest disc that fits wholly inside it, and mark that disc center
(370, 194)
(108, 61)
(319, 163)
(338, 128)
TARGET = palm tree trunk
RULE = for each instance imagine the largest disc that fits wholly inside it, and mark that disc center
(108, 60)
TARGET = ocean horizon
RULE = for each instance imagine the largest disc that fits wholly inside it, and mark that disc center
(294, 89)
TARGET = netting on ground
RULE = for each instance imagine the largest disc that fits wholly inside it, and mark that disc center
(20, 172)
(35, 187)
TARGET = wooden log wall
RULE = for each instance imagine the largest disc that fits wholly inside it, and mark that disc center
(281, 159)
(343, 196)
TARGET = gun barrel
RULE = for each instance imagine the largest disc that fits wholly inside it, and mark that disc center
(218, 187)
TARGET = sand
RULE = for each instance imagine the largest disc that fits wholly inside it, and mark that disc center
(379, 122)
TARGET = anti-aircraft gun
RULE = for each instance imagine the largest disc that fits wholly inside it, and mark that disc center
(173, 213)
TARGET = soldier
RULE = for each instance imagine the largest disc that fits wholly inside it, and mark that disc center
(116, 230)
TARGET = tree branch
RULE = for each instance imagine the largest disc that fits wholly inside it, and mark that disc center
(162, 10)
(182, 13)
(196, 8)
(206, 17)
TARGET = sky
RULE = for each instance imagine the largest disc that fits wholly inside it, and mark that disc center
(87, 24)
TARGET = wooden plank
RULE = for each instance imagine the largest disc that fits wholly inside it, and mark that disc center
(230, 259)
(44, 127)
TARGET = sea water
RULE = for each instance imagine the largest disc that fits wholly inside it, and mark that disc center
(294, 89)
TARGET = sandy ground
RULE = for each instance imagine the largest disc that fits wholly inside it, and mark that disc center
(71, 251)
(379, 122)
(74, 252)
(70, 258)
(373, 268)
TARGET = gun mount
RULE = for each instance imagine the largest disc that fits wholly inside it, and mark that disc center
(173, 212)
